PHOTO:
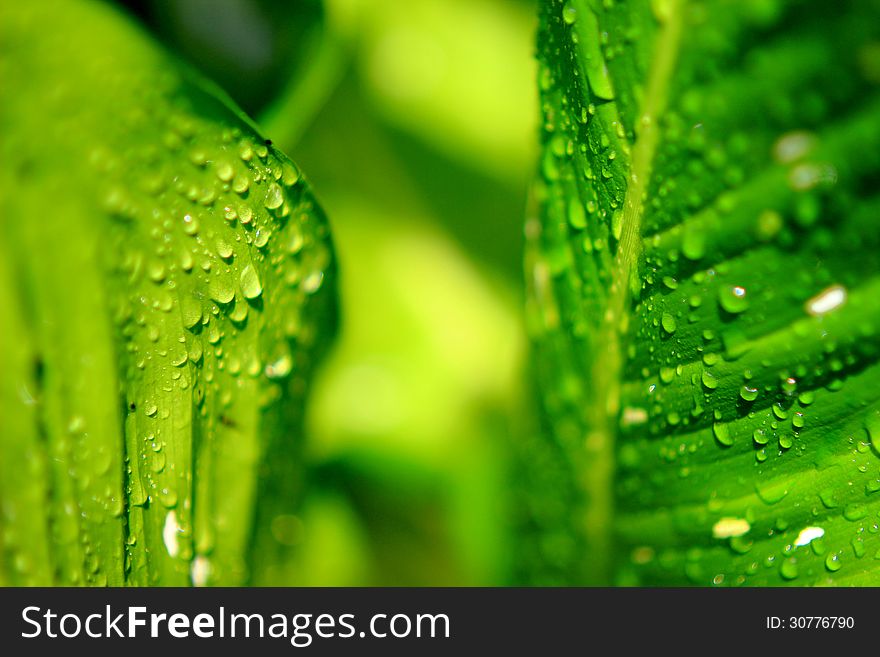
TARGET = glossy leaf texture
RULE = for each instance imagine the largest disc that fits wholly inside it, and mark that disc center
(166, 284)
(704, 293)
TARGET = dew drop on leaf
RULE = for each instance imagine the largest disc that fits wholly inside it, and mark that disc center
(250, 282)
(577, 217)
(771, 492)
(224, 249)
(190, 224)
(760, 437)
(788, 569)
(722, 434)
(733, 299)
(709, 380)
(693, 244)
(77, 425)
(279, 367)
(225, 172)
(806, 397)
(833, 562)
(220, 289)
(274, 197)
(826, 301)
(748, 393)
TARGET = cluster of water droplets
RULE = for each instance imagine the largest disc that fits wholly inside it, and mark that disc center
(750, 331)
(218, 257)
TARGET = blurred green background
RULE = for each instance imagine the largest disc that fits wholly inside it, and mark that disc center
(416, 123)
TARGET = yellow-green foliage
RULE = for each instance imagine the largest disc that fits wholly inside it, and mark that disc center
(166, 279)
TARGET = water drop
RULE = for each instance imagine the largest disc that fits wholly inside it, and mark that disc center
(827, 300)
(200, 570)
(792, 146)
(225, 172)
(788, 569)
(577, 217)
(239, 311)
(224, 249)
(773, 491)
(730, 528)
(693, 244)
(156, 271)
(190, 224)
(748, 393)
(768, 226)
(733, 299)
(617, 224)
(280, 367)
(261, 237)
(633, 416)
(313, 281)
(722, 434)
(853, 512)
(220, 289)
(250, 283)
(858, 546)
(77, 425)
(274, 197)
(169, 534)
(190, 311)
(832, 562)
(828, 498)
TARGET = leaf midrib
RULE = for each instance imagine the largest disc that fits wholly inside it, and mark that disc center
(608, 365)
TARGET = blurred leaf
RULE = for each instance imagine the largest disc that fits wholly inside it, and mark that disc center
(704, 288)
(329, 541)
(456, 73)
(414, 428)
(307, 89)
(166, 284)
(406, 407)
(253, 49)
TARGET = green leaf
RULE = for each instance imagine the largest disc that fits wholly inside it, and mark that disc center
(166, 283)
(705, 297)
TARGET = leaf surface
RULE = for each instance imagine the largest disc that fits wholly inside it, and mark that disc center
(167, 279)
(704, 291)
